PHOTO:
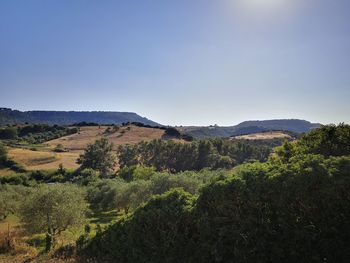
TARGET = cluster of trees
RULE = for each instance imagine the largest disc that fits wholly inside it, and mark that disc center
(139, 184)
(6, 162)
(169, 132)
(293, 208)
(36, 133)
(177, 157)
(49, 209)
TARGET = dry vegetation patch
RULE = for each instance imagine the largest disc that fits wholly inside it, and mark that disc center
(130, 134)
(43, 160)
(265, 136)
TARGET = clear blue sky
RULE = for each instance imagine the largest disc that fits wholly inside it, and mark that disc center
(189, 62)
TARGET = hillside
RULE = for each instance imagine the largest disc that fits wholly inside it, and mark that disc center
(293, 125)
(249, 127)
(44, 156)
(9, 116)
(129, 134)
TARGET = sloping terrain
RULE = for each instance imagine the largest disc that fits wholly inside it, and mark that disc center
(9, 116)
(249, 127)
(129, 134)
(45, 158)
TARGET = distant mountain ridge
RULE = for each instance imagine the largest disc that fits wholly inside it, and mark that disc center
(249, 127)
(9, 116)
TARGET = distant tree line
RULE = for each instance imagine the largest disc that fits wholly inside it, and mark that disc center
(6, 162)
(36, 133)
(176, 157)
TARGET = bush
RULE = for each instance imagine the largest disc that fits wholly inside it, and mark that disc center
(157, 232)
(273, 212)
(9, 133)
(16, 179)
(65, 252)
(59, 148)
(292, 213)
(136, 172)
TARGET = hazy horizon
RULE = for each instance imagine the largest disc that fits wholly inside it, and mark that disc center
(185, 62)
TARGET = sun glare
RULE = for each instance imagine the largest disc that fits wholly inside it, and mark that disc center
(263, 10)
(264, 4)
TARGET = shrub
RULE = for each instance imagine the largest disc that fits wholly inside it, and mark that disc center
(157, 232)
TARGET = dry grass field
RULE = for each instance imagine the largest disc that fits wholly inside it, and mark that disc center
(124, 135)
(265, 136)
(45, 158)
(5, 172)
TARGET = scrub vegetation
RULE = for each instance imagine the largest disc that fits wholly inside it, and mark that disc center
(213, 200)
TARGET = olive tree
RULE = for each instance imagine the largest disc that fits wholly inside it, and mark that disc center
(10, 199)
(53, 209)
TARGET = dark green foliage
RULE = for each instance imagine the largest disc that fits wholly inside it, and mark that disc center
(106, 195)
(158, 232)
(292, 213)
(8, 133)
(177, 157)
(37, 133)
(293, 208)
(329, 140)
(3, 156)
(296, 212)
(101, 195)
(135, 172)
(98, 156)
(16, 179)
(6, 162)
(172, 132)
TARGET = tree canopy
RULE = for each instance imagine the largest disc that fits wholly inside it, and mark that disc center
(53, 209)
(99, 156)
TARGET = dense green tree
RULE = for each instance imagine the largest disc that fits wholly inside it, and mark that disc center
(53, 209)
(204, 158)
(156, 232)
(11, 197)
(102, 194)
(329, 140)
(292, 212)
(131, 195)
(176, 157)
(3, 155)
(99, 156)
(9, 133)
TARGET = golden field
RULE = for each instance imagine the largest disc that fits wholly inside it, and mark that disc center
(265, 136)
(45, 158)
